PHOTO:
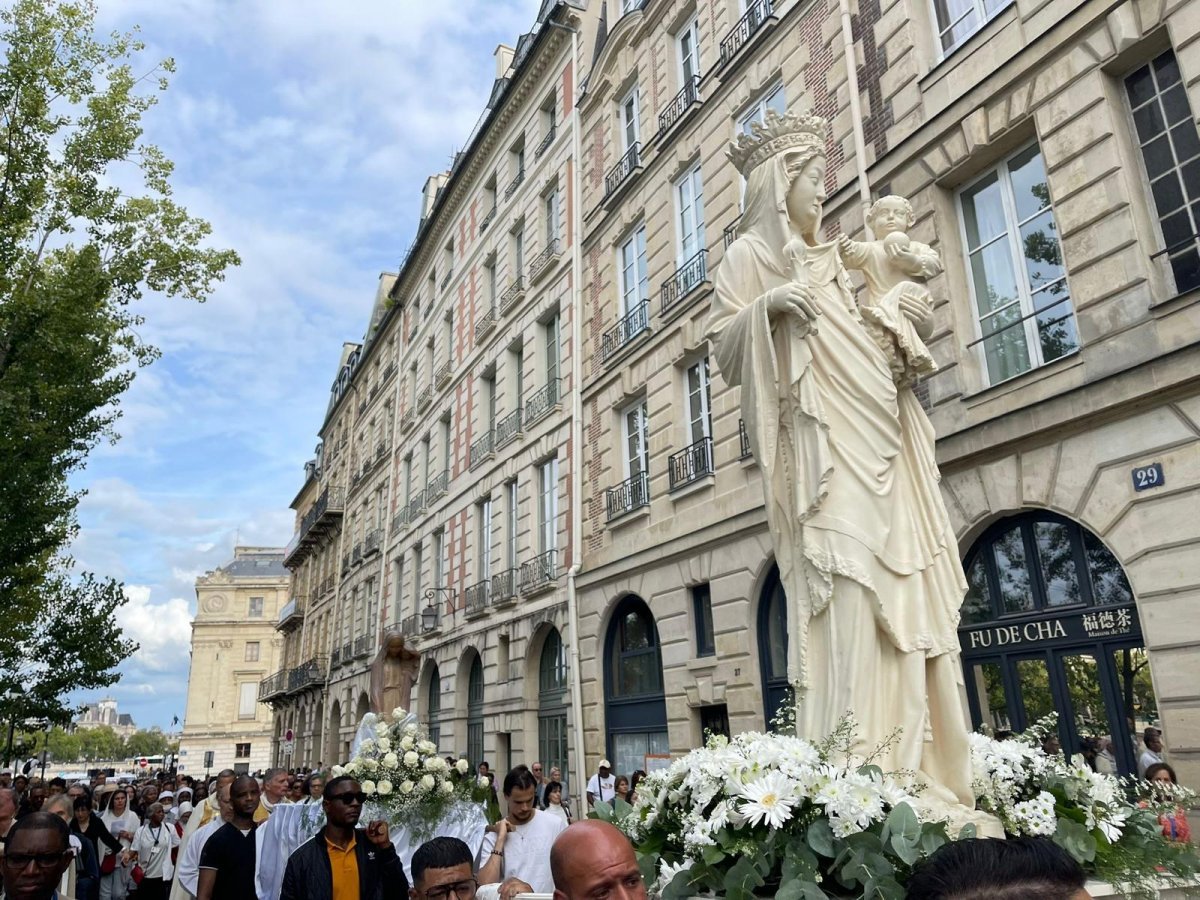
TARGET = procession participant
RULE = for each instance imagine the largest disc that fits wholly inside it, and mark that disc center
(554, 803)
(227, 862)
(8, 813)
(82, 878)
(152, 850)
(204, 812)
(187, 872)
(337, 863)
(122, 823)
(274, 792)
(1004, 869)
(441, 868)
(314, 787)
(594, 859)
(89, 826)
(38, 854)
(517, 847)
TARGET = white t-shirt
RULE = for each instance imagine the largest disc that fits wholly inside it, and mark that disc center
(153, 847)
(602, 788)
(1146, 760)
(527, 851)
(189, 860)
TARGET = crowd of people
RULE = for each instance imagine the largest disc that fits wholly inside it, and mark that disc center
(176, 838)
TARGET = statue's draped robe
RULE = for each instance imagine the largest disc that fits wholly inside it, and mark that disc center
(865, 549)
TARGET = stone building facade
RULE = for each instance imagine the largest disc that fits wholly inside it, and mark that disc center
(234, 645)
(1050, 152)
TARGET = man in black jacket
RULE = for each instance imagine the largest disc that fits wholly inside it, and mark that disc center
(337, 863)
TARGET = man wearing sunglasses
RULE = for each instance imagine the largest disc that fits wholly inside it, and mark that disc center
(37, 855)
(343, 862)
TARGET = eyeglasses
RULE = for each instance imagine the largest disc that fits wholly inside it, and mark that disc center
(348, 797)
(463, 890)
(21, 861)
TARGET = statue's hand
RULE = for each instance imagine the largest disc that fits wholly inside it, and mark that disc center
(915, 308)
(792, 299)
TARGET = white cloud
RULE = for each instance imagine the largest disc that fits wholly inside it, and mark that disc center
(162, 629)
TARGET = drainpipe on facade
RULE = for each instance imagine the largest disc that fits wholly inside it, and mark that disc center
(856, 117)
(576, 498)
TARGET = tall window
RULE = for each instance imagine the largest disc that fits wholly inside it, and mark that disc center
(444, 426)
(398, 588)
(252, 651)
(518, 377)
(483, 513)
(475, 712)
(1015, 267)
(957, 20)
(427, 457)
(689, 202)
(553, 335)
(518, 245)
(256, 608)
(247, 699)
(1166, 133)
(408, 478)
(548, 505)
(698, 402)
(513, 514)
(688, 43)
(418, 587)
(550, 211)
(636, 427)
(488, 400)
(552, 703)
(439, 552)
(635, 709)
(635, 279)
(433, 705)
(489, 281)
(772, 98)
(630, 126)
(706, 644)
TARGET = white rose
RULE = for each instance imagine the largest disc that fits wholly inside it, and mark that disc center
(483, 782)
(370, 765)
(428, 782)
(427, 747)
(410, 729)
(337, 770)
(390, 760)
(411, 758)
(463, 767)
(384, 744)
(406, 787)
(406, 743)
(384, 787)
(434, 764)
(366, 746)
(368, 787)
(399, 713)
(447, 787)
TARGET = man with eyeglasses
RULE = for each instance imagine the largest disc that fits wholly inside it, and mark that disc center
(441, 869)
(37, 856)
(342, 862)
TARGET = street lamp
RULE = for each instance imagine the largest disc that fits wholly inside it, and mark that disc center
(429, 615)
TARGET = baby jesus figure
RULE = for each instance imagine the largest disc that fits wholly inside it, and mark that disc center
(897, 310)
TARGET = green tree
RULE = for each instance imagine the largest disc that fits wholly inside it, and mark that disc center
(146, 743)
(101, 743)
(87, 225)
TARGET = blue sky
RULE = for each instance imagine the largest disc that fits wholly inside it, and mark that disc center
(304, 132)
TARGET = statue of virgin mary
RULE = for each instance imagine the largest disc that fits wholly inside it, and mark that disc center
(865, 549)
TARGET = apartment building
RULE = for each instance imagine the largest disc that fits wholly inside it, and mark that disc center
(436, 507)
(1051, 155)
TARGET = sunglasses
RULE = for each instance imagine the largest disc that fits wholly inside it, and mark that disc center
(348, 797)
(20, 861)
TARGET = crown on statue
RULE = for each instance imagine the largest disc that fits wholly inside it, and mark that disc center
(775, 135)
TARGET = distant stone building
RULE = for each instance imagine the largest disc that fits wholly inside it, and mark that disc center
(104, 712)
(234, 645)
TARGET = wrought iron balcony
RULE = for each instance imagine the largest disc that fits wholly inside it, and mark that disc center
(744, 439)
(362, 405)
(544, 260)
(425, 398)
(691, 463)
(686, 279)
(487, 220)
(504, 587)
(306, 675)
(322, 516)
(373, 392)
(477, 597)
(400, 520)
(410, 626)
(539, 404)
(730, 234)
(356, 555)
(757, 13)
(292, 613)
(335, 658)
(513, 295)
(373, 542)
(538, 573)
(437, 486)
(364, 645)
(388, 371)
(347, 652)
(416, 506)
(680, 104)
(546, 142)
(441, 377)
(508, 428)
(445, 283)
(632, 493)
(626, 168)
(515, 183)
(272, 686)
(328, 583)
(408, 419)
(483, 448)
(630, 326)
(486, 323)
(345, 564)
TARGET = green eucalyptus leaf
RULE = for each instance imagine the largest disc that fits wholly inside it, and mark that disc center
(820, 838)
(741, 880)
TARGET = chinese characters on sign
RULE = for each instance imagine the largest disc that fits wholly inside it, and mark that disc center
(1108, 622)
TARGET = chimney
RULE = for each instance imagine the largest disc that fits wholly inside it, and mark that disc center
(504, 58)
(433, 184)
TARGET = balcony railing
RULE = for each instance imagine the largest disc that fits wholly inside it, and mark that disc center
(373, 542)
(538, 572)
(272, 686)
(356, 555)
(539, 404)
(400, 520)
(546, 142)
(485, 324)
(446, 281)
(437, 486)
(504, 587)
(686, 279)
(508, 428)
(328, 583)
(483, 448)
(729, 235)
(516, 183)
(416, 506)
(388, 371)
(441, 377)
(682, 102)
(636, 322)
(408, 419)
(757, 12)
(347, 652)
(744, 439)
(363, 646)
(543, 261)
(691, 463)
(292, 613)
(477, 597)
(306, 675)
(335, 658)
(487, 220)
(632, 493)
(425, 398)
(410, 626)
(512, 296)
(324, 513)
(381, 450)
(628, 165)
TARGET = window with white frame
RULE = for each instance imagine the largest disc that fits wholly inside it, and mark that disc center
(518, 248)
(635, 279)
(483, 514)
(418, 585)
(771, 98)
(689, 205)
(256, 607)
(636, 426)
(548, 505)
(698, 402)
(247, 700)
(957, 20)
(630, 126)
(1015, 268)
(553, 337)
(550, 211)
(1170, 145)
(513, 511)
(439, 560)
(253, 648)
(687, 42)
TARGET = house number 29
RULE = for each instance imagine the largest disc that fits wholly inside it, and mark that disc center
(1147, 477)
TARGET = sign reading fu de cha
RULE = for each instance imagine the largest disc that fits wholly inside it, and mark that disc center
(1092, 625)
